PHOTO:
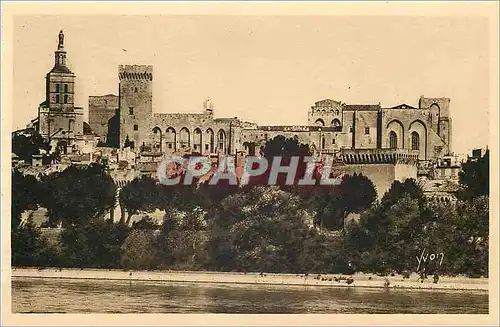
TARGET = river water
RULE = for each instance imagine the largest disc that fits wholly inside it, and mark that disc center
(37, 295)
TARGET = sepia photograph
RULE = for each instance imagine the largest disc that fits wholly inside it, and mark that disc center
(221, 160)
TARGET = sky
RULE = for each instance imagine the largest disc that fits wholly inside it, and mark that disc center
(266, 69)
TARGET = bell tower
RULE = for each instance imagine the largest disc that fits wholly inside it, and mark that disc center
(60, 88)
(57, 115)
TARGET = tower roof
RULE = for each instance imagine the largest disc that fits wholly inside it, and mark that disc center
(61, 69)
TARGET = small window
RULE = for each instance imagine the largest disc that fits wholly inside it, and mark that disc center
(65, 98)
(351, 129)
(333, 141)
(206, 147)
(367, 130)
(57, 98)
(57, 87)
(130, 110)
(65, 88)
(170, 146)
(135, 90)
(136, 127)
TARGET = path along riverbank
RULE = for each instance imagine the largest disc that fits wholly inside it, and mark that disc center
(316, 280)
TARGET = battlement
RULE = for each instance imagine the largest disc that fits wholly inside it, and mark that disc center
(377, 156)
(181, 115)
(299, 128)
(103, 100)
(135, 72)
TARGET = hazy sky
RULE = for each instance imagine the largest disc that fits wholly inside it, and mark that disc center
(266, 69)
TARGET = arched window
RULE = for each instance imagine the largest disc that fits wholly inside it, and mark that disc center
(319, 122)
(185, 138)
(221, 136)
(393, 140)
(171, 139)
(209, 146)
(335, 123)
(415, 141)
(197, 142)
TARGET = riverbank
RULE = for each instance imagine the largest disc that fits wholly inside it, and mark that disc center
(327, 280)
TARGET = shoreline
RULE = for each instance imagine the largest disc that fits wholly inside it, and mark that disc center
(210, 277)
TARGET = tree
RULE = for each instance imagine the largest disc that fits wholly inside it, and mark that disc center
(182, 241)
(138, 250)
(141, 194)
(25, 196)
(97, 243)
(30, 248)
(146, 223)
(267, 230)
(27, 146)
(475, 177)
(78, 194)
(389, 234)
(355, 194)
(285, 148)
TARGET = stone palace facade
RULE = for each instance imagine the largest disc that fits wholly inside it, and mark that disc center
(128, 120)
(383, 143)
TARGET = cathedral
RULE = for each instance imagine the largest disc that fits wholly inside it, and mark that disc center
(59, 121)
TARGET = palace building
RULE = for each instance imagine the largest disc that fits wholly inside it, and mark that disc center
(367, 132)
(383, 143)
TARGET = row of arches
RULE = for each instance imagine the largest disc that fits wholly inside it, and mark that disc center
(320, 122)
(199, 141)
(324, 111)
(414, 137)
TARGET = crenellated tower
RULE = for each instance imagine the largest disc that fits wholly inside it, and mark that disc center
(136, 104)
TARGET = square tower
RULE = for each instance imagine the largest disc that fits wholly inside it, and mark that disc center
(58, 118)
(136, 104)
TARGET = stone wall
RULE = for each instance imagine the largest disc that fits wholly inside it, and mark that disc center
(101, 110)
(382, 175)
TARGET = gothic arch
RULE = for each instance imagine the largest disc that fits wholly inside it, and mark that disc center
(221, 141)
(395, 126)
(184, 137)
(415, 140)
(171, 139)
(209, 146)
(336, 123)
(435, 112)
(319, 122)
(157, 139)
(393, 140)
(197, 140)
(419, 127)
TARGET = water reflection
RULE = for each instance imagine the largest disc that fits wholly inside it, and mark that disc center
(99, 296)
